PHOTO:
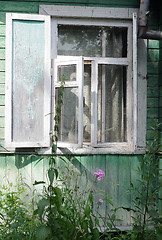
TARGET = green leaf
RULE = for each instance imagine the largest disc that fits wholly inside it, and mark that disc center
(38, 182)
(58, 198)
(91, 198)
(54, 148)
(41, 206)
(109, 225)
(51, 175)
(96, 234)
(43, 232)
(153, 213)
(109, 201)
(56, 172)
(87, 211)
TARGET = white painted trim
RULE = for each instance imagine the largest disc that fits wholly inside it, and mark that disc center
(135, 80)
(87, 12)
(8, 80)
(47, 83)
(93, 22)
(94, 90)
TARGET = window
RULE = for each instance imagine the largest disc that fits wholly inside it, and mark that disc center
(97, 56)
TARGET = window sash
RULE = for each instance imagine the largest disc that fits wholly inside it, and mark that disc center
(44, 140)
(78, 61)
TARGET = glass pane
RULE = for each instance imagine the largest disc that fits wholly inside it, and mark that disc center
(67, 72)
(87, 104)
(116, 42)
(92, 41)
(111, 103)
(68, 126)
(28, 81)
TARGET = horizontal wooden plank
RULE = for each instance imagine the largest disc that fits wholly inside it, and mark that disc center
(2, 65)
(153, 55)
(160, 112)
(152, 113)
(153, 68)
(2, 100)
(31, 5)
(152, 102)
(2, 145)
(2, 122)
(2, 54)
(23, 6)
(160, 102)
(150, 123)
(87, 12)
(2, 111)
(160, 69)
(2, 18)
(152, 92)
(1, 133)
(160, 54)
(2, 30)
(149, 135)
(160, 91)
(153, 81)
(153, 44)
(2, 88)
(2, 41)
(2, 77)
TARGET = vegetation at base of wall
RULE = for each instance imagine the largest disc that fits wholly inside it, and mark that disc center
(146, 193)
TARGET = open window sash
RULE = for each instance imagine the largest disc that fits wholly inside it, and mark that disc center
(70, 70)
(28, 81)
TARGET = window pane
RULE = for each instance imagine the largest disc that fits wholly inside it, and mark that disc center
(111, 103)
(28, 81)
(67, 72)
(68, 126)
(87, 104)
(116, 42)
(91, 41)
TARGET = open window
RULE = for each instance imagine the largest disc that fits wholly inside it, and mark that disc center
(104, 106)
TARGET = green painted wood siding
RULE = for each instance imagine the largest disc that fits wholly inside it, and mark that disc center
(119, 171)
(154, 71)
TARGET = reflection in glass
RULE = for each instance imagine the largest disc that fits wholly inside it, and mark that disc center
(67, 71)
(92, 41)
(111, 103)
(87, 103)
(69, 115)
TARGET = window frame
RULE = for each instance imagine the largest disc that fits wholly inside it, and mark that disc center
(128, 19)
(137, 121)
(78, 61)
(45, 142)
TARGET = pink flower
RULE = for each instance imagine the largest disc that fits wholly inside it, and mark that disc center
(100, 200)
(100, 174)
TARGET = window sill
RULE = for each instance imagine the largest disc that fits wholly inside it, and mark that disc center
(87, 150)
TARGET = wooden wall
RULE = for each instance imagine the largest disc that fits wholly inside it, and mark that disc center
(119, 171)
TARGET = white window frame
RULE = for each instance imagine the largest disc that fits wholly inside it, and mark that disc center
(78, 61)
(136, 121)
(137, 88)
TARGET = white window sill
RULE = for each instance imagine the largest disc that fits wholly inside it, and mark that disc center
(87, 150)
